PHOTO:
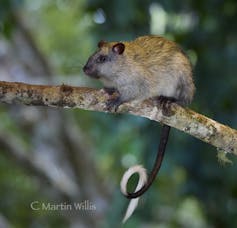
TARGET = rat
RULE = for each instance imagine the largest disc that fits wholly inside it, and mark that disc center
(148, 67)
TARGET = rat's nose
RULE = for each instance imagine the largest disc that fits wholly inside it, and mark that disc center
(90, 70)
(86, 69)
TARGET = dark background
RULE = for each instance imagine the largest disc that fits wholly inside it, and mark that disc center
(67, 156)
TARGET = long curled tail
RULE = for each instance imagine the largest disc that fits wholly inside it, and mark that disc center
(144, 184)
(142, 180)
(160, 154)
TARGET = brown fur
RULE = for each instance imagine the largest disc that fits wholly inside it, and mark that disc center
(150, 66)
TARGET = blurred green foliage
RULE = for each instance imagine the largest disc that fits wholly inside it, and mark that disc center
(192, 190)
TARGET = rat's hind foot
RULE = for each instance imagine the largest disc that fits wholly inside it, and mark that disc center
(165, 103)
(166, 100)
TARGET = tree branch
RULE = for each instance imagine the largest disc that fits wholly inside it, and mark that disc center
(184, 119)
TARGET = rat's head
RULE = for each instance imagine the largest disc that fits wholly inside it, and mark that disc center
(106, 62)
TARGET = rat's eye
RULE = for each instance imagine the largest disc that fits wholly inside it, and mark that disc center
(102, 59)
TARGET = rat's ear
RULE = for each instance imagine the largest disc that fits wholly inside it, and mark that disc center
(118, 48)
(101, 44)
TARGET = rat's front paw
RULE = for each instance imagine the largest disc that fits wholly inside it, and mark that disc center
(112, 104)
(110, 91)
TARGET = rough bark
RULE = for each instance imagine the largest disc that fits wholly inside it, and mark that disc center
(64, 96)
